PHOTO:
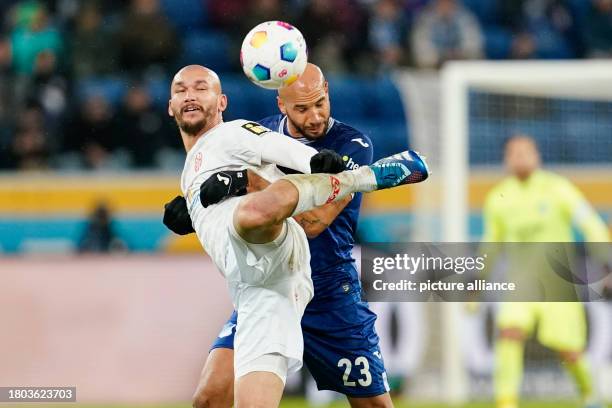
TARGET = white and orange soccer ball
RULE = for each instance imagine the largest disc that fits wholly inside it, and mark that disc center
(273, 54)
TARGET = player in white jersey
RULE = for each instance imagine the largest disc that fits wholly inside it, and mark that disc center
(261, 251)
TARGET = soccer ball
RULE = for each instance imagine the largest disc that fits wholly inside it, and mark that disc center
(273, 54)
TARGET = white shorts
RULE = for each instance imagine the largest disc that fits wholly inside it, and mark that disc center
(269, 284)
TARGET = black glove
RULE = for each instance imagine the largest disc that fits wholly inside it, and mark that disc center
(176, 216)
(222, 185)
(327, 161)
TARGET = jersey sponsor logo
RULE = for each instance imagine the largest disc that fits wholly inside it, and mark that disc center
(350, 164)
(361, 142)
(255, 128)
(198, 162)
(335, 185)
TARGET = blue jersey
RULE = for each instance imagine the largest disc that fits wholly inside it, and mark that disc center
(334, 273)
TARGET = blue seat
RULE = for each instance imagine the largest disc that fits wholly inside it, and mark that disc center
(209, 48)
(246, 100)
(110, 88)
(159, 91)
(498, 42)
(580, 9)
(485, 10)
(185, 14)
(383, 100)
(348, 98)
(549, 43)
(387, 137)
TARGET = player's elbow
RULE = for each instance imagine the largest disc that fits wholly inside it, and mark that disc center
(313, 231)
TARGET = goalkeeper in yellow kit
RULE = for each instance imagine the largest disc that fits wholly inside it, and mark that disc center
(533, 205)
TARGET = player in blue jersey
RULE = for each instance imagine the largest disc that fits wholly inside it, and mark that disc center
(340, 343)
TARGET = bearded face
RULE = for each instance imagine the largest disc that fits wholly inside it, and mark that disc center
(196, 101)
(192, 118)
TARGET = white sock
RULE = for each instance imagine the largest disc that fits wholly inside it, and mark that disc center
(318, 189)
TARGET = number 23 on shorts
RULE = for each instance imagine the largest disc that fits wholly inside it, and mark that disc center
(362, 364)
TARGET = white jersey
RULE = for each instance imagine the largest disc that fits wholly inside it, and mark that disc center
(269, 289)
(235, 145)
(238, 144)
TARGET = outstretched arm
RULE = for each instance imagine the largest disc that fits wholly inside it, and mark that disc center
(286, 152)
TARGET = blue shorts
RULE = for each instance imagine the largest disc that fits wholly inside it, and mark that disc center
(340, 349)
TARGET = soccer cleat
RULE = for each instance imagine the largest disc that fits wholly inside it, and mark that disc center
(402, 168)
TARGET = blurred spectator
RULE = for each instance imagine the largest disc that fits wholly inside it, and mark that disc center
(413, 7)
(357, 51)
(146, 38)
(5, 53)
(227, 14)
(598, 36)
(258, 11)
(93, 133)
(47, 87)
(144, 128)
(90, 50)
(99, 235)
(388, 31)
(29, 149)
(541, 28)
(320, 24)
(126, 39)
(32, 35)
(445, 31)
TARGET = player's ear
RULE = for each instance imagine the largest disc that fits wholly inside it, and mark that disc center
(326, 87)
(222, 102)
(281, 105)
(170, 113)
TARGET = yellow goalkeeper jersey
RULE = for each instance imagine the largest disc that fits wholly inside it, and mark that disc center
(541, 209)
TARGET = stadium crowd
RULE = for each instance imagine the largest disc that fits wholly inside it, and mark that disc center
(83, 83)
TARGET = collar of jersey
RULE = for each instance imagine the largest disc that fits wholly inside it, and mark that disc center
(533, 179)
(283, 123)
(202, 137)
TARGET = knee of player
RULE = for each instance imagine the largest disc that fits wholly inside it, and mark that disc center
(251, 215)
